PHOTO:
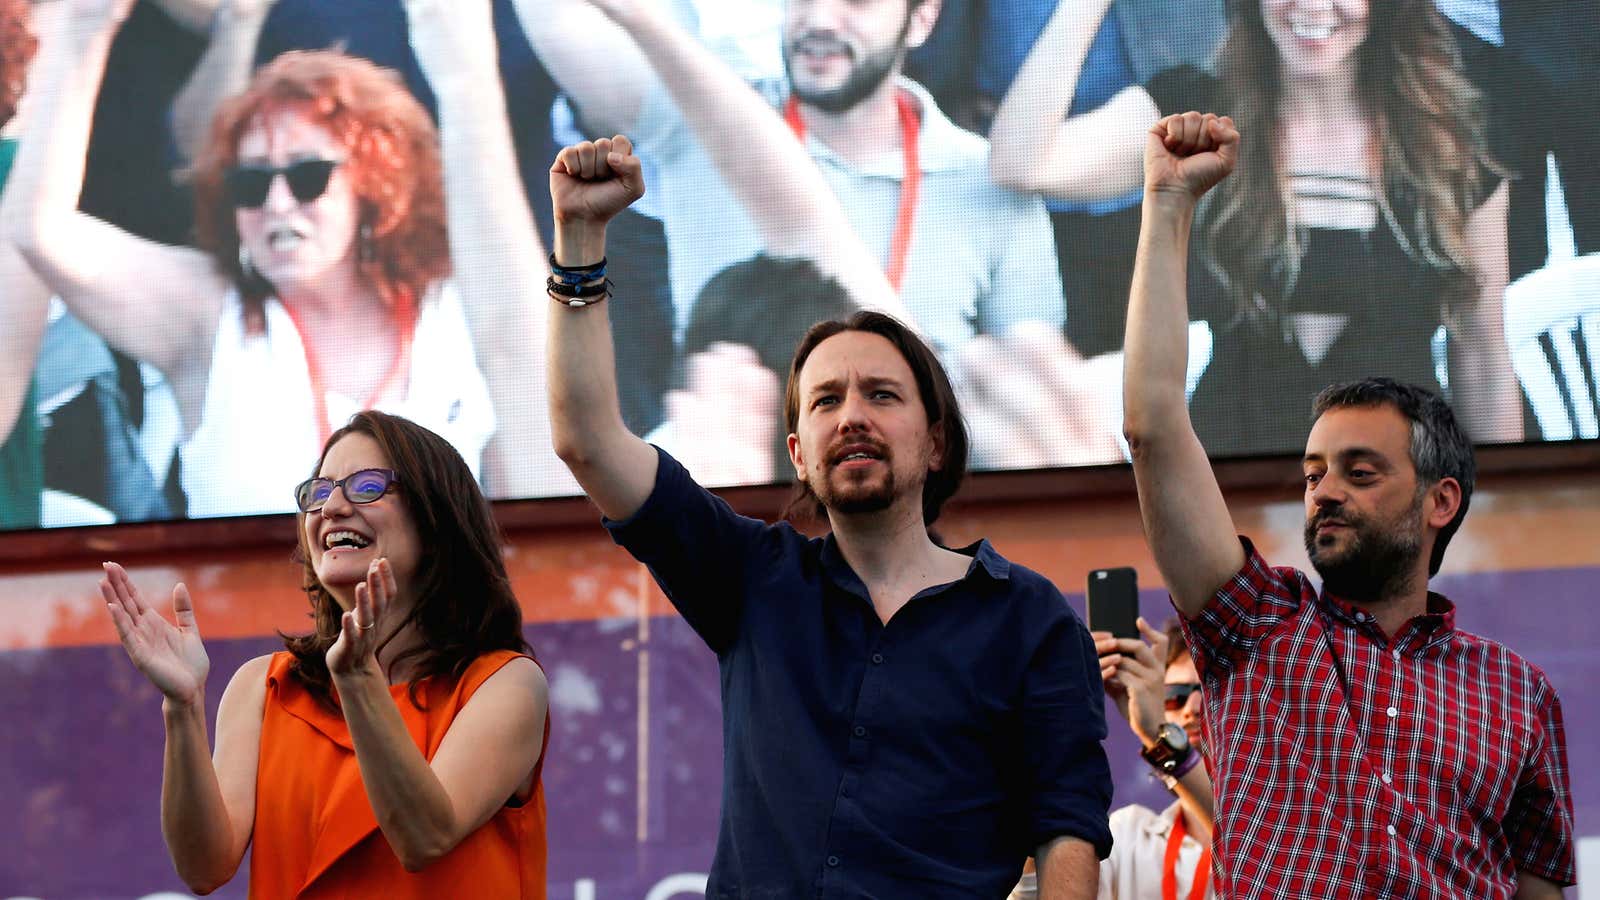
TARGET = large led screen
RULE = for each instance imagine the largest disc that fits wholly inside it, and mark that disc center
(228, 226)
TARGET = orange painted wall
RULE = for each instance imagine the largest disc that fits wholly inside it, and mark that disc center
(574, 572)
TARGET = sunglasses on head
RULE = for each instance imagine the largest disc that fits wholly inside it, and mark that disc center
(364, 486)
(1178, 695)
(248, 185)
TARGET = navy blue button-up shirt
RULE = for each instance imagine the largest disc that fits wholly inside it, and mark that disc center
(924, 757)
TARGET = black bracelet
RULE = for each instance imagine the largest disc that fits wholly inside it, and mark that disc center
(578, 295)
(577, 274)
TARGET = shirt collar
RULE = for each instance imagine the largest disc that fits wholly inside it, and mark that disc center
(1436, 628)
(941, 143)
(986, 561)
(1160, 824)
(1423, 635)
(985, 557)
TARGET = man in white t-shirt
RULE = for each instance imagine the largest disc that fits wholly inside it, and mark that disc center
(968, 258)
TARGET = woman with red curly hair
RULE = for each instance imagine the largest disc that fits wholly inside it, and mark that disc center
(334, 272)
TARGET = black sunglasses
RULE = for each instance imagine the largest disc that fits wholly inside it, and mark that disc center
(364, 486)
(1178, 695)
(248, 185)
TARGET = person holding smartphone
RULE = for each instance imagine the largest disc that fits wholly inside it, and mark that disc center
(1364, 746)
(1155, 855)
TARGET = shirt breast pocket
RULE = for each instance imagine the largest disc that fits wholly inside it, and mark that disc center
(956, 707)
(1474, 760)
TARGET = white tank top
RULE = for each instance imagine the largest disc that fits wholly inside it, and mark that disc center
(258, 437)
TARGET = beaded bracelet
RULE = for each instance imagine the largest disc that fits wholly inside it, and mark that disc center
(578, 296)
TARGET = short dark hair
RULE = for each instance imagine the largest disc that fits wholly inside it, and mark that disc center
(1439, 447)
(938, 401)
(765, 303)
(1177, 645)
(464, 604)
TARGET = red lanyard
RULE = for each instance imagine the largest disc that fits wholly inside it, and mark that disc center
(406, 319)
(1169, 868)
(910, 187)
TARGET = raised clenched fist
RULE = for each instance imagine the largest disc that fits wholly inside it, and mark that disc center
(1190, 153)
(593, 181)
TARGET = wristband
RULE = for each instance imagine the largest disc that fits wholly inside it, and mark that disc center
(578, 295)
(1189, 762)
(577, 274)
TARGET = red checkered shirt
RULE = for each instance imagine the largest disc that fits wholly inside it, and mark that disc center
(1351, 765)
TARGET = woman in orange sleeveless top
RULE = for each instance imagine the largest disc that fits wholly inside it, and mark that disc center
(396, 750)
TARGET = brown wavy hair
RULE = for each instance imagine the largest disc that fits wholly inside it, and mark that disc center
(938, 402)
(393, 165)
(464, 606)
(17, 46)
(1431, 150)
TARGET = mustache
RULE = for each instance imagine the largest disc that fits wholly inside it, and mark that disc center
(843, 448)
(823, 41)
(1333, 514)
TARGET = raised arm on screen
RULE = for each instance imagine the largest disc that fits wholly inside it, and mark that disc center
(24, 301)
(590, 183)
(496, 256)
(598, 66)
(1035, 147)
(1480, 369)
(1185, 520)
(223, 71)
(758, 156)
(154, 302)
(195, 15)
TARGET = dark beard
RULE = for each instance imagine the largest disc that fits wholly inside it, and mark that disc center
(1378, 563)
(856, 498)
(864, 79)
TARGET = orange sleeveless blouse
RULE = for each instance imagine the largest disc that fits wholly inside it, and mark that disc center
(315, 833)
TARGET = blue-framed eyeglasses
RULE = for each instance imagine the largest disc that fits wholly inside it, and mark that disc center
(364, 486)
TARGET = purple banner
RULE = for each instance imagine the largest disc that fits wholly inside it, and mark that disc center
(634, 771)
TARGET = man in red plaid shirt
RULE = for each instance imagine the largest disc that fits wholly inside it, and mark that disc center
(1364, 747)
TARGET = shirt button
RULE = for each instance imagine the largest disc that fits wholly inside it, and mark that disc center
(1361, 617)
(1396, 655)
(1393, 712)
(1391, 831)
(861, 731)
(1387, 778)
(877, 659)
(834, 860)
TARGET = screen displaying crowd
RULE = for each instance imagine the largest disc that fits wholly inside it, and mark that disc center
(230, 224)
